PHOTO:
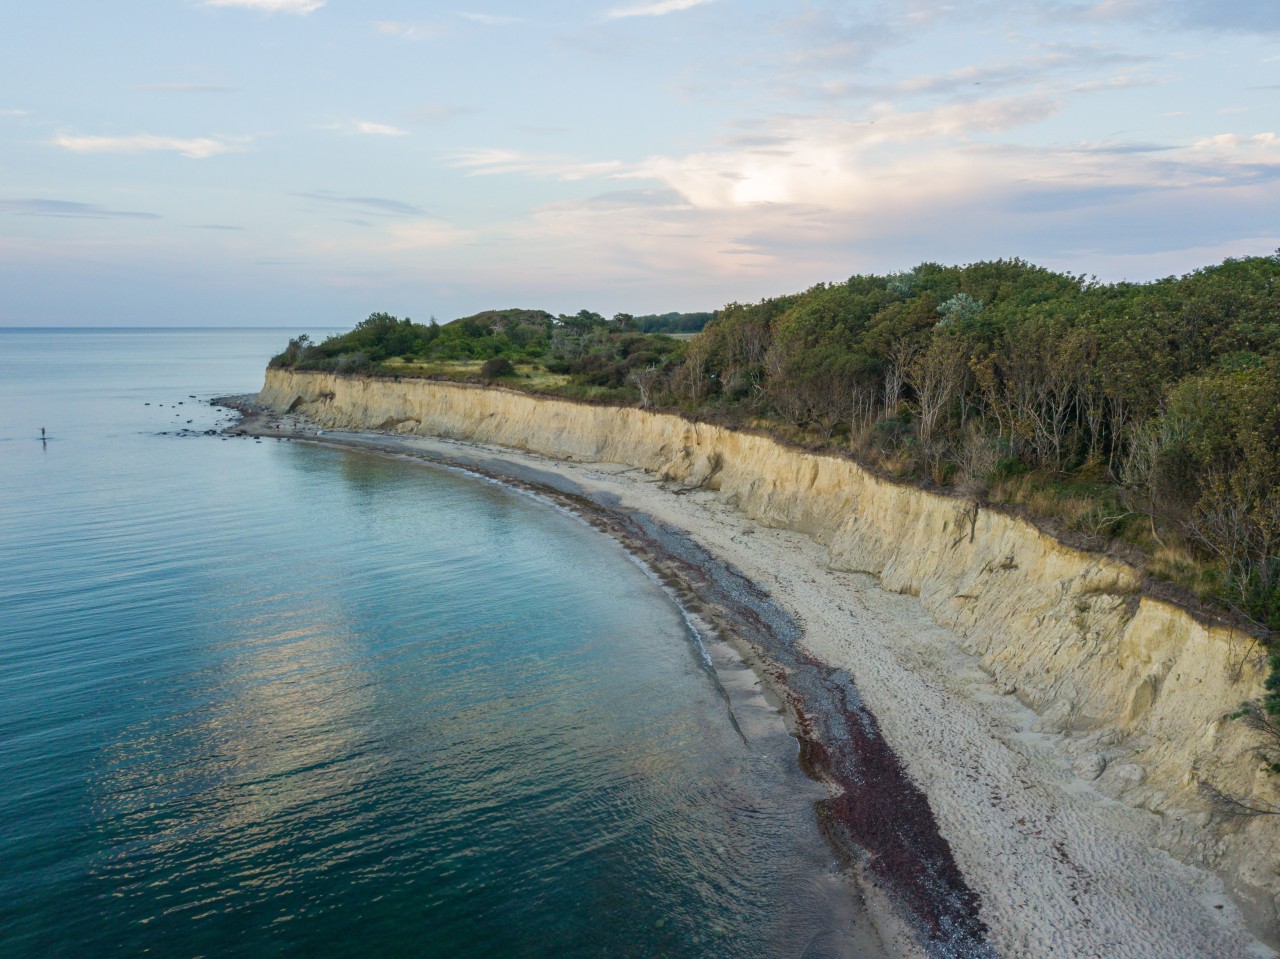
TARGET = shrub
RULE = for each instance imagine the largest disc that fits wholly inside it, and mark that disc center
(497, 366)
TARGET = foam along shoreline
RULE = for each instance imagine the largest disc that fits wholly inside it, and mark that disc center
(1060, 869)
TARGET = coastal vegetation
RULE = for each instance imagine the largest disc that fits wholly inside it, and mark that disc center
(583, 355)
(1141, 417)
(674, 323)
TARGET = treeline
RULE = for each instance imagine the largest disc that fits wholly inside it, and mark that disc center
(1151, 410)
(594, 352)
(673, 322)
(1145, 412)
(382, 337)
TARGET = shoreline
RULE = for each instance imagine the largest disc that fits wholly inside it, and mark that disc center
(1055, 867)
(876, 822)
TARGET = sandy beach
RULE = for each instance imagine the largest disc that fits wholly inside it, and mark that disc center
(1055, 867)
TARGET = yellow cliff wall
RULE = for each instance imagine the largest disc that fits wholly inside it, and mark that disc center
(1066, 630)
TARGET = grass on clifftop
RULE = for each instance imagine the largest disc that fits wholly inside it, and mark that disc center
(526, 375)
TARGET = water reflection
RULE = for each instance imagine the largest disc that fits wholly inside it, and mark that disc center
(331, 704)
(277, 727)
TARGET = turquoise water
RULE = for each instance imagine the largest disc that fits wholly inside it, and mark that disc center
(268, 699)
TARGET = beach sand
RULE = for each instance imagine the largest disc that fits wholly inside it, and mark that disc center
(1058, 869)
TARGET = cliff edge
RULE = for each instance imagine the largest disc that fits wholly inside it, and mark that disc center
(1138, 690)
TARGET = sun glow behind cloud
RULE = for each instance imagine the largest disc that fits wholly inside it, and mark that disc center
(802, 193)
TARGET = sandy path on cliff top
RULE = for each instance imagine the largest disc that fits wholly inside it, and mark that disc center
(1062, 870)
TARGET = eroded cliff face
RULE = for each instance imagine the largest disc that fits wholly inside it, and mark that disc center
(1120, 675)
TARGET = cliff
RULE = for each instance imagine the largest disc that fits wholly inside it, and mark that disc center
(1115, 673)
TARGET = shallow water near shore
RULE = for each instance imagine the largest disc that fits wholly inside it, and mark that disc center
(261, 698)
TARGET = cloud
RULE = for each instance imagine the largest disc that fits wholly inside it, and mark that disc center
(70, 209)
(1244, 16)
(489, 162)
(1121, 81)
(1054, 199)
(804, 160)
(14, 113)
(409, 30)
(790, 198)
(377, 129)
(1234, 16)
(365, 128)
(655, 9)
(1234, 144)
(1101, 12)
(370, 205)
(383, 245)
(1123, 148)
(301, 7)
(830, 54)
(631, 199)
(198, 148)
(490, 19)
(426, 236)
(217, 226)
(629, 237)
(1050, 63)
(825, 42)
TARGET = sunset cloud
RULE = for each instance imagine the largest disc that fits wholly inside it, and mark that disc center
(807, 196)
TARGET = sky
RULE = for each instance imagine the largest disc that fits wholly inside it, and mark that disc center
(308, 162)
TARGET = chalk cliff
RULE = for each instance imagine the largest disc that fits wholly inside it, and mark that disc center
(1139, 690)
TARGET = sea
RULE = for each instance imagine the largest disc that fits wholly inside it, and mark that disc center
(263, 698)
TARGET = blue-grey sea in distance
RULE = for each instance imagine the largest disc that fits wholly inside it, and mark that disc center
(272, 699)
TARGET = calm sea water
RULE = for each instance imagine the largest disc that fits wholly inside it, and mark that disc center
(261, 698)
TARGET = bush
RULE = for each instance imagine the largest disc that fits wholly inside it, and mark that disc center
(350, 363)
(1010, 467)
(498, 366)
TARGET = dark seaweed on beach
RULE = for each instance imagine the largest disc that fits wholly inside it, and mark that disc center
(878, 819)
